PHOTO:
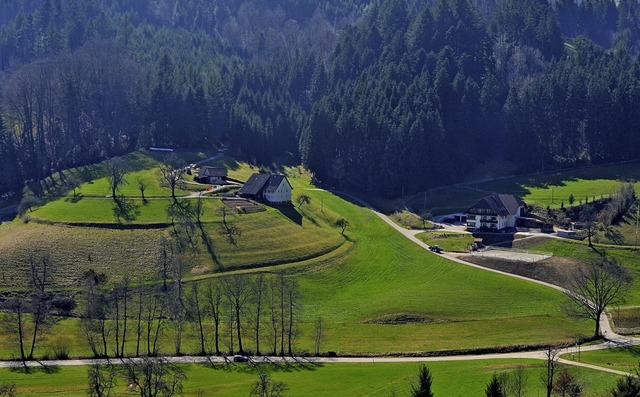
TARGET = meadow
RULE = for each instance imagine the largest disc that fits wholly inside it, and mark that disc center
(376, 291)
(548, 189)
(452, 379)
(620, 359)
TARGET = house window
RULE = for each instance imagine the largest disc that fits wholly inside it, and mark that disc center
(471, 217)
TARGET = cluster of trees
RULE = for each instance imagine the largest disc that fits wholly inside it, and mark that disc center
(122, 319)
(221, 315)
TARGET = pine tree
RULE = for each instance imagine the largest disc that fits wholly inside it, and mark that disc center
(423, 388)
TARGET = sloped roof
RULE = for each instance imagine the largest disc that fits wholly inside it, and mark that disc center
(254, 184)
(500, 204)
(212, 172)
(257, 182)
(274, 182)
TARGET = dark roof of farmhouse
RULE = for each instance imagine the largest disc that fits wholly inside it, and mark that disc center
(257, 182)
(499, 204)
(213, 172)
(254, 184)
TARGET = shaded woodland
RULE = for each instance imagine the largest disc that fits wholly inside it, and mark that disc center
(390, 96)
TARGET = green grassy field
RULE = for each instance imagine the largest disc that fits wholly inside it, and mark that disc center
(621, 359)
(451, 379)
(544, 190)
(410, 220)
(376, 291)
(451, 242)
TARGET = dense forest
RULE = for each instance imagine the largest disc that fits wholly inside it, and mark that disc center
(387, 96)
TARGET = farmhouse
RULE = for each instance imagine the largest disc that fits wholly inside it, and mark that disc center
(494, 213)
(272, 188)
(212, 175)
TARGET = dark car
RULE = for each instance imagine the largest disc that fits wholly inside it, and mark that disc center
(240, 359)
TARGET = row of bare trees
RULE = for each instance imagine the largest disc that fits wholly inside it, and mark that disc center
(219, 314)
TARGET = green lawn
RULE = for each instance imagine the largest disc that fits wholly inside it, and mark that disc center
(451, 379)
(622, 359)
(451, 242)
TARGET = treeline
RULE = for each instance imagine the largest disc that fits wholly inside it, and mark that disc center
(390, 96)
(257, 314)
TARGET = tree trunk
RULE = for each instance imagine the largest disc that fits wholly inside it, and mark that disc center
(238, 329)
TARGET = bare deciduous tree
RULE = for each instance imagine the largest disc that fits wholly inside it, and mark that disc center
(230, 231)
(596, 286)
(142, 186)
(550, 368)
(101, 380)
(116, 172)
(265, 387)
(318, 332)
(154, 376)
(258, 289)
(588, 216)
(172, 175)
(196, 314)
(237, 291)
(214, 299)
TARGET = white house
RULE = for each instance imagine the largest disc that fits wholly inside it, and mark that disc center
(274, 189)
(494, 213)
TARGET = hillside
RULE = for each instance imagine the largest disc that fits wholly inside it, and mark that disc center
(420, 297)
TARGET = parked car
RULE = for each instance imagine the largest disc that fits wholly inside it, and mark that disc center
(240, 359)
(436, 248)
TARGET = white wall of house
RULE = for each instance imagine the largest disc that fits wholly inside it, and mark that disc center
(281, 195)
(499, 222)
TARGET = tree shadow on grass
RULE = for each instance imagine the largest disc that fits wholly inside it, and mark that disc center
(614, 235)
(42, 368)
(125, 210)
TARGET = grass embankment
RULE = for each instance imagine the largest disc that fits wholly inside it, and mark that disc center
(450, 242)
(410, 220)
(551, 189)
(452, 379)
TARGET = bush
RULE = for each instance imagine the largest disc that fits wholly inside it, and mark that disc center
(63, 304)
(60, 347)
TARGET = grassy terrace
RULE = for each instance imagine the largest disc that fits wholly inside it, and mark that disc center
(545, 190)
(452, 379)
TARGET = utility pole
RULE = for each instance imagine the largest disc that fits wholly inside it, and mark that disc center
(637, 216)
